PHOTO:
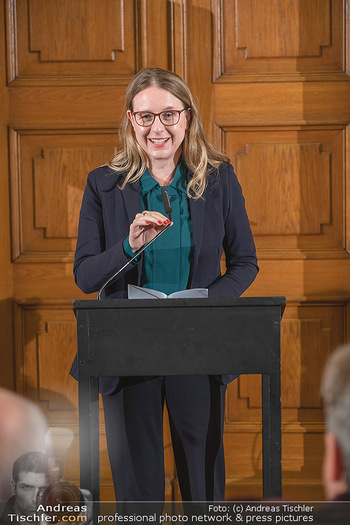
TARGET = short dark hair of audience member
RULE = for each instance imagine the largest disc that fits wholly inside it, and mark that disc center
(336, 394)
(23, 428)
(29, 477)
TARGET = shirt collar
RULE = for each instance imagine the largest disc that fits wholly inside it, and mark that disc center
(179, 182)
(147, 183)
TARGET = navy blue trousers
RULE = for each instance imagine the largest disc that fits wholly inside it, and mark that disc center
(134, 429)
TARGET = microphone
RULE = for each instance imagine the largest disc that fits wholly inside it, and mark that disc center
(166, 202)
(168, 210)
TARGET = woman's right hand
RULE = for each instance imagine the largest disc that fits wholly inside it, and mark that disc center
(145, 227)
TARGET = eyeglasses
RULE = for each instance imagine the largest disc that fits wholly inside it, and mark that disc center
(168, 118)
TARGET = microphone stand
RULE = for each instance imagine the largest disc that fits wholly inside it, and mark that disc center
(139, 251)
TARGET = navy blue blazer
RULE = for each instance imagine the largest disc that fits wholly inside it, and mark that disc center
(219, 223)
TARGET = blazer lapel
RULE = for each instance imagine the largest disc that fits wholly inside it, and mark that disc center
(132, 205)
(131, 198)
(197, 217)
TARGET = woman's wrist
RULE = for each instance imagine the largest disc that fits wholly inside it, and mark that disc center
(129, 252)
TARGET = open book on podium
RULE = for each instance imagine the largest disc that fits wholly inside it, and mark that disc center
(136, 292)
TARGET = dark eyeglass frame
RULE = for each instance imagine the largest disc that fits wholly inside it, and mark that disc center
(178, 111)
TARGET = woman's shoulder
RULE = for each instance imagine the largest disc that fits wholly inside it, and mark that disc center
(223, 182)
(222, 174)
(105, 178)
(226, 168)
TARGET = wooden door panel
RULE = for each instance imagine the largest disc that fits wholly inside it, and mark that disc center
(60, 43)
(271, 40)
(51, 41)
(48, 177)
(45, 347)
(319, 328)
(293, 181)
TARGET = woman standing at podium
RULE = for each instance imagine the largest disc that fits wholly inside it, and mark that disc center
(164, 145)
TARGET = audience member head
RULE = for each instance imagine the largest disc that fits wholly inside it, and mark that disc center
(29, 478)
(22, 428)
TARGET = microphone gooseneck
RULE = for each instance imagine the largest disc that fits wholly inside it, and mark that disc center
(168, 210)
(139, 251)
(168, 207)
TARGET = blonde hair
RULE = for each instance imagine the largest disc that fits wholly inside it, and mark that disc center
(200, 156)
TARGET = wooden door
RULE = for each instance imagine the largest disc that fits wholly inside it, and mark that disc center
(271, 78)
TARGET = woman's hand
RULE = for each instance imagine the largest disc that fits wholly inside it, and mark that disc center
(145, 227)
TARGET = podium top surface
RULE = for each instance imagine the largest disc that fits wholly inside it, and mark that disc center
(87, 304)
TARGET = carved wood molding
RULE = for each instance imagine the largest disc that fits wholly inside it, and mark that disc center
(308, 167)
(45, 165)
(296, 41)
(96, 43)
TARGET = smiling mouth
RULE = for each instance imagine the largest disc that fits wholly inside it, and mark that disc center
(159, 141)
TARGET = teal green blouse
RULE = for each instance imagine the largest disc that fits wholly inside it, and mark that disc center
(166, 263)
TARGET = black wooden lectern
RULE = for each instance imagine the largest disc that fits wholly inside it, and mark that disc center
(179, 337)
